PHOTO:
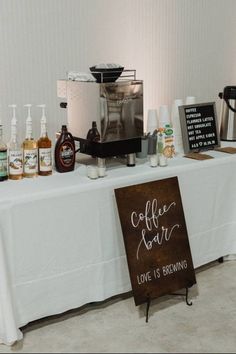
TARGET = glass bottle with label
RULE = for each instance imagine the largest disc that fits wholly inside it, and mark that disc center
(44, 148)
(93, 133)
(15, 154)
(30, 150)
(3, 157)
(65, 151)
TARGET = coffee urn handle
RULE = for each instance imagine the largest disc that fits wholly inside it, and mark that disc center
(227, 102)
(230, 107)
(63, 104)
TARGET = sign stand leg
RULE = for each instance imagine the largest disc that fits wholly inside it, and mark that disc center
(189, 303)
(147, 308)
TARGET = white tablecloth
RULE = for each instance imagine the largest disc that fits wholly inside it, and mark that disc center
(61, 244)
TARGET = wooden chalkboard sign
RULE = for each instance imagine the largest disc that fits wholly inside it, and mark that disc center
(199, 127)
(155, 238)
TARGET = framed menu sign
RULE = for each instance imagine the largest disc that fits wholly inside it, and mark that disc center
(199, 127)
(155, 238)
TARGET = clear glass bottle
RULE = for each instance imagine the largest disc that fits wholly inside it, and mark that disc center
(3, 157)
(30, 150)
(15, 154)
(44, 148)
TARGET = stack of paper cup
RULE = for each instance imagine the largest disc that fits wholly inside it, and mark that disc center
(175, 120)
(152, 121)
(164, 116)
(190, 100)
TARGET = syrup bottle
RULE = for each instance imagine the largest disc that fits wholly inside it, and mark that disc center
(65, 151)
(30, 149)
(93, 133)
(15, 153)
(44, 147)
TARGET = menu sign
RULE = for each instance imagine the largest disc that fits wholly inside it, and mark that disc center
(199, 127)
(156, 239)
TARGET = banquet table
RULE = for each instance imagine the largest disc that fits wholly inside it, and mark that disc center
(61, 244)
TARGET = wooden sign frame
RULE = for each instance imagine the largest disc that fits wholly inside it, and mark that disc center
(199, 126)
(155, 237)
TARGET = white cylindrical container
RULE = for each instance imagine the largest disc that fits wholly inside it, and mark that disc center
(152, 120)
(190, 100)
(101, 167)
(163, 161)
(153, 160)
(101, 171)
(164, 116)
(92, 172)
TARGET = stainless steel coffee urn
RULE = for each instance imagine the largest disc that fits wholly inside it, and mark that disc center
(228, 114)
(117, 109)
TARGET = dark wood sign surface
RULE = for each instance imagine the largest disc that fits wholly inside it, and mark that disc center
(199, 127)
(156, 239)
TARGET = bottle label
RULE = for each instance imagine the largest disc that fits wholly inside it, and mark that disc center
(30, 161)
(15, 162)
(67, 154)
(170, 143)
(45, 159)
(3, 163)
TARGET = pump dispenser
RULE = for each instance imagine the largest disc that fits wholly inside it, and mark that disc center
(15, 154)
(43, 119)
(44, 147)
(30, 149)
(29, 129)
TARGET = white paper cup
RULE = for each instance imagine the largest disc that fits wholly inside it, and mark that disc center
(153, 160)
(92, 172)
(101, 171)
(164, 116)
(152, 120)
(163, 160)
(190, 100)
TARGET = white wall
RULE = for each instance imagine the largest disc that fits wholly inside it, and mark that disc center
(178, 47)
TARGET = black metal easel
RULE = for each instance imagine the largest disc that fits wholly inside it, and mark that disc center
(189, 303)
(147, 308)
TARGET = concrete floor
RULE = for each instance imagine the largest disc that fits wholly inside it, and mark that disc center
(117, 326)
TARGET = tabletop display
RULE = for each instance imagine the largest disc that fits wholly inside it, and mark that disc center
(199, 127)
